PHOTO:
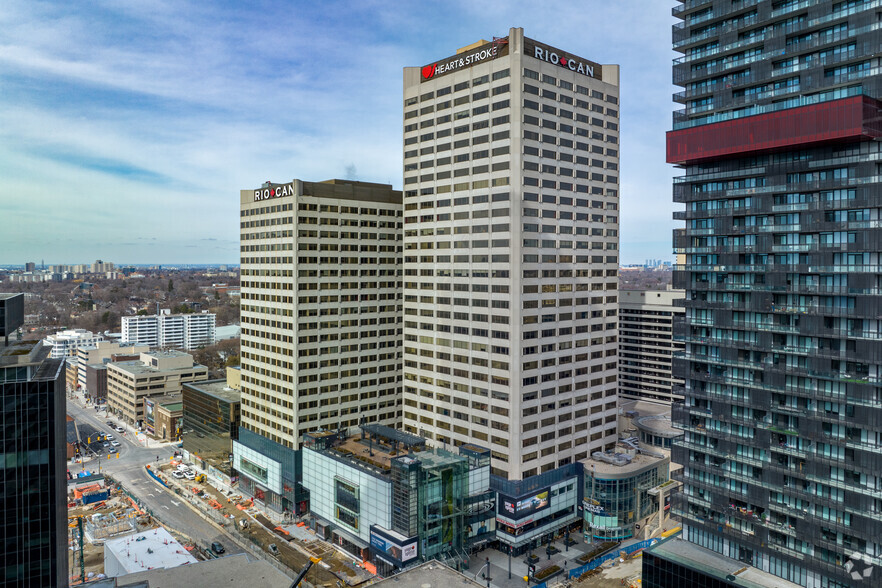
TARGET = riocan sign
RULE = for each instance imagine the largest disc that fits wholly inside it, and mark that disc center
(465, 59)
(273, 192)
(557, 57)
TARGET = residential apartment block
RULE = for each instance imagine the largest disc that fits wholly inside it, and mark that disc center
(64, 344)
(511, 152)
(647, 344)
(778, 145)
(321, 322)
(180, 331)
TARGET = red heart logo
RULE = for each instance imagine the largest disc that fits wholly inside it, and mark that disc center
(429, 71)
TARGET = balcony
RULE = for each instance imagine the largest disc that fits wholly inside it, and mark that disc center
(853, 118)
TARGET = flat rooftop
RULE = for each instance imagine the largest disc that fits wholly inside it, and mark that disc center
(151, 549)
(136, 366)
(432, 574)
(218, 389)
(363, 450)
(638, 462)
(708, 562)
(231, 570)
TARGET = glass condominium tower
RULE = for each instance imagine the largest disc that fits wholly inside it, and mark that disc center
(778, 142)
(511, 253)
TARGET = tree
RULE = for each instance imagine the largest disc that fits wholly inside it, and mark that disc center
(171, 285)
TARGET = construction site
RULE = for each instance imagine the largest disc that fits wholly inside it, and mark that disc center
(101, 511)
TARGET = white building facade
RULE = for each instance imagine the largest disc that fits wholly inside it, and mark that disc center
(65, 343)
(182, 331)
(511, 253)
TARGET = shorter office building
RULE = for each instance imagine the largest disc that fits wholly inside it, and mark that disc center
(211, 422)
(162, 417)
(647, 345)
(618, 503)
(532, 512)
(155, 373)
(33, 493)
(102, 352)
(675, 562)
(386, 498)
(150, 550)
(166, 330)
(64, 344)
(95, 382)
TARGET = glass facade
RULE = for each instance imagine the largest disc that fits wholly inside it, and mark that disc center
(432, 488)
(615, 506)
(781, 259)
(211, 421)
(33, 484)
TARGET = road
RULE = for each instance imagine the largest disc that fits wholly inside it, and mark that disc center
(129, 470)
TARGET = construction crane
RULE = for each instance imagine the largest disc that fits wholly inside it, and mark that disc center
(303, 572)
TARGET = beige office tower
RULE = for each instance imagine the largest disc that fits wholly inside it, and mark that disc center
(511, 223)
(321, 322)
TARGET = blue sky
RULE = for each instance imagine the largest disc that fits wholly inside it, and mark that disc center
(127, 129)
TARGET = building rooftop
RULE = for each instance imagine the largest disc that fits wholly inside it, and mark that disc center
(658, 424)
(432, 574)
(22, 352)
(621, 463)
(172, 406)
(218, 389)
(713, 564)
(149, 550)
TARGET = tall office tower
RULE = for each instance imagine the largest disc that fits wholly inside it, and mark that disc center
(778, 142)
(511, 235)
(321, 323)
(33, 495)
(647, 345)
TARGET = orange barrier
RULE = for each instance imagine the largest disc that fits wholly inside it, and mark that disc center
(281, 530)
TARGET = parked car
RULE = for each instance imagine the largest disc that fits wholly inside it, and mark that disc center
(178, 475)
(115, 443)
(106, 444)
(217, 547)
(189, 475)
(110, 424)
(120, 430)
(108, 437)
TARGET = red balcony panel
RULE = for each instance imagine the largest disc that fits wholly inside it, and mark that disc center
(853, 118)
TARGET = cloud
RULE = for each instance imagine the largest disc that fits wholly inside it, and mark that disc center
(149, 117)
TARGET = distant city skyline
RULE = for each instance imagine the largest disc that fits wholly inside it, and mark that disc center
(127, 130)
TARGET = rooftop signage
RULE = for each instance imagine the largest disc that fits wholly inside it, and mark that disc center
(273, 192)
(485, 52)
(554, 56)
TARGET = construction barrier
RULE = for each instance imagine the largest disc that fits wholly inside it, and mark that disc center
(594, 564)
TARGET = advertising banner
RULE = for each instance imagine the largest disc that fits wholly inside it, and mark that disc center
(518, 508)
(399, 550)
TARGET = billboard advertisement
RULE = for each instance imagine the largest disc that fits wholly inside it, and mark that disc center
(518, 508)
(392, 547)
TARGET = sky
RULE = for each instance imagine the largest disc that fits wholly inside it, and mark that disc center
(127, 129)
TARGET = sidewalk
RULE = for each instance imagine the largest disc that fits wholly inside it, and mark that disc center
(499, 562)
